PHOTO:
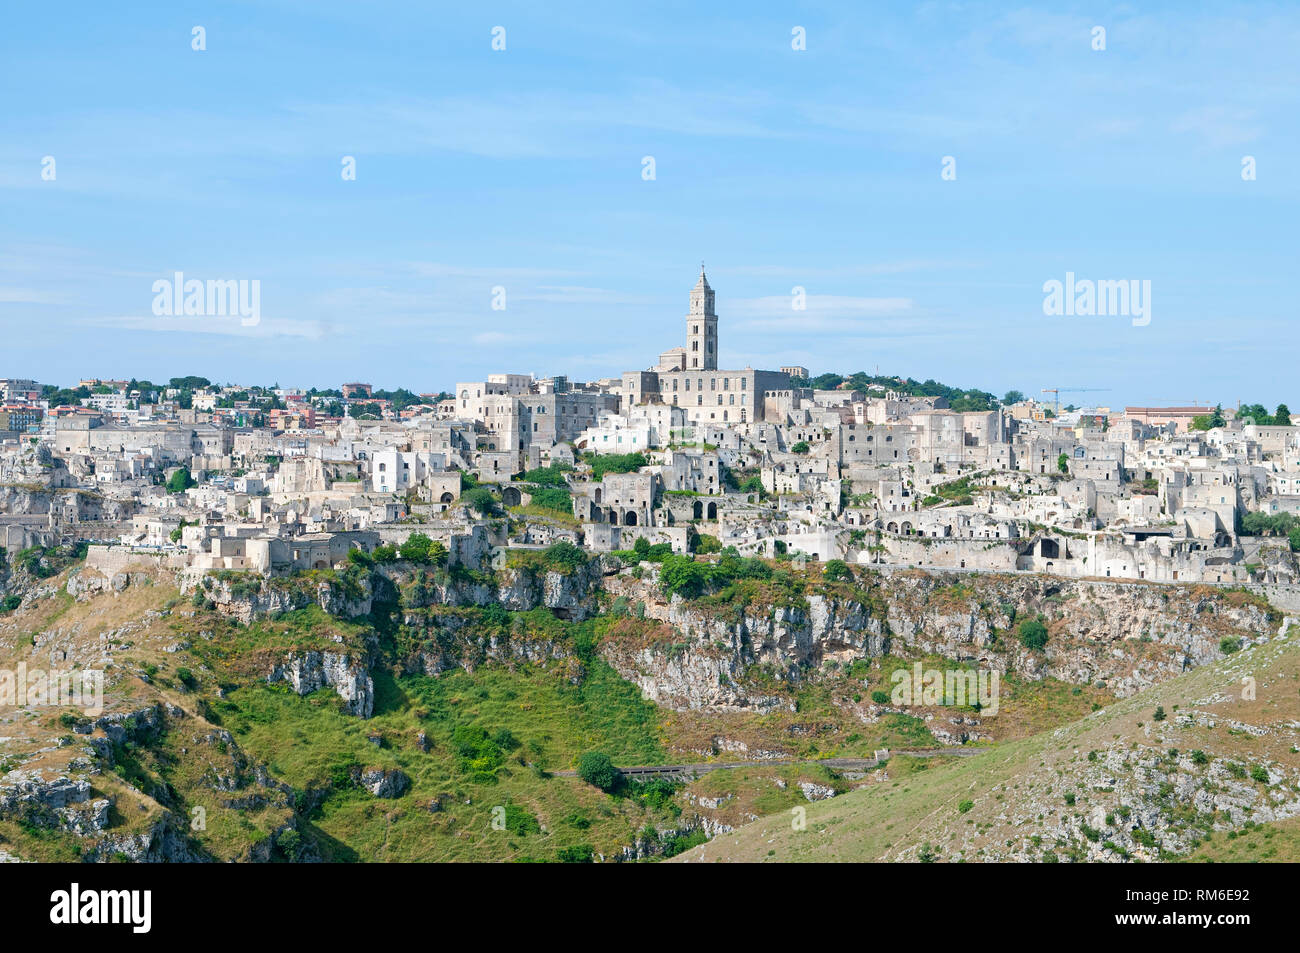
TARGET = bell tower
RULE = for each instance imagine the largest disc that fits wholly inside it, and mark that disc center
(702, 328)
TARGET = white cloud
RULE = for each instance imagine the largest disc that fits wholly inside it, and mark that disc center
(822, 312)
(266, 328)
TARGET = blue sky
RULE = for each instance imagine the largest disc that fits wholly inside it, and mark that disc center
(523, 169)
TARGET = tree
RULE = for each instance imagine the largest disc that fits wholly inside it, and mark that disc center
(681, 575)
(826, 381)
(1209, 421)
(418, 548)
(1063, 463)
(705, 544)
(1283, 416)
(563, 556)
(1013, 397)
(836, 570)
(481, 500)
(548, 476)
(641, 547)
(180, 481)
(596, 769)
(189, 383)
(800, 447)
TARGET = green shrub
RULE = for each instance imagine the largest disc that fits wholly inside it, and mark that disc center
(1032, 634)
(836, 570)
(419, 548)
(577, 854)
(596, 769)
(706, 544)
(683, 576)
(553, 498)
(481, 500)
(180, 481)
(564, 557)
(614, 463)
(480, 756)
(548, 476)
(518, 821)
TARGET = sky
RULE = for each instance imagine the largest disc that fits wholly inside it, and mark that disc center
(524, 169)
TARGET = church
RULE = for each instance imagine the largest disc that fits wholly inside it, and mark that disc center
(688, 377)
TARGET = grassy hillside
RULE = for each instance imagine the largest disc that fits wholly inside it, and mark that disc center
(199, 756)
(1189, 768)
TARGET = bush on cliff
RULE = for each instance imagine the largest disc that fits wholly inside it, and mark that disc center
(1033, 634)
(837, 570)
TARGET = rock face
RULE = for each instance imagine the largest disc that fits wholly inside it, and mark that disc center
(446, 644)
(816, 792)
(1127, 636)
(309, 671)
(250, 598)
(163, 842)
(83, 583)
(570, 595)
(62, 803)
(386, 784)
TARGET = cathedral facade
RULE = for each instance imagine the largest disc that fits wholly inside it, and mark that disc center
(688, 377)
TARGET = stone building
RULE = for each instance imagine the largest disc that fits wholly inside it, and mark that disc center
(706, 394)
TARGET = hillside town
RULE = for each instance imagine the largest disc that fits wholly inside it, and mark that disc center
(774, 463)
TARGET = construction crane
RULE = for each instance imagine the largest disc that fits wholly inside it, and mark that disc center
(1057, 391)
